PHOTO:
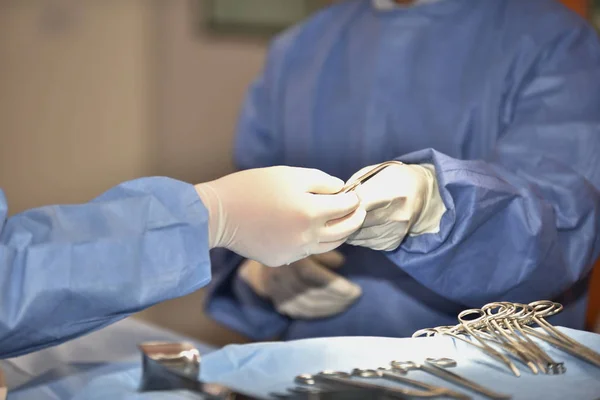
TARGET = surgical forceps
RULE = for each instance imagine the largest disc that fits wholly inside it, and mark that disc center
(173, 366)
(367, 175)
(436, 367)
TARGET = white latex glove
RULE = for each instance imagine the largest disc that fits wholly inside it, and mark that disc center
(306, 289)
(399, 200)
(272, 215)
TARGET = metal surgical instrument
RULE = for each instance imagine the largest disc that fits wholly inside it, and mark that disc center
(450, 376)
(480, 329)
(504, 323)
(387, 373)
(335, 394)
(546, 308)
(458, 331)
(366, 176)
(173, 366)
(330, 380)
(343, 380)
(502, 329)
(436, 367)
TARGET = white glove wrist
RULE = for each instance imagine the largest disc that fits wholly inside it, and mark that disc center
(216, 216)
(433, 207)
(400, 200)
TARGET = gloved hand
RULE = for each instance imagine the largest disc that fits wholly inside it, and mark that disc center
(306, 289)
(279, 215)
(399, 200)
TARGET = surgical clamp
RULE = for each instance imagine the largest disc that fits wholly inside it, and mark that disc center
(366, 176)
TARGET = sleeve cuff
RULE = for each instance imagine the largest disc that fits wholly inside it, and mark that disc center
(430, 241)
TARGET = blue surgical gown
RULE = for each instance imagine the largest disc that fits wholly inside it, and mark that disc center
(68, 270)
(502, 96)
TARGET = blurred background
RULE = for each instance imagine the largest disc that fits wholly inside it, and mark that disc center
(95, 92)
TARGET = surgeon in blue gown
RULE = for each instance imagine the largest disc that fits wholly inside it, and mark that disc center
(494, 109)
(68, 270)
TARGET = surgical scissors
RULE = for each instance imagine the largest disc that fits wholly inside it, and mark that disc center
(366, 176)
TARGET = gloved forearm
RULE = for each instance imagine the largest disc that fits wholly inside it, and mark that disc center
(67, 270)
(399, 199)
(506, 235)
(522, 223)
(302, 216)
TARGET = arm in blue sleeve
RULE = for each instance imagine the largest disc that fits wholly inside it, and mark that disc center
(523, 224)
(68, 270)
(229, 300)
